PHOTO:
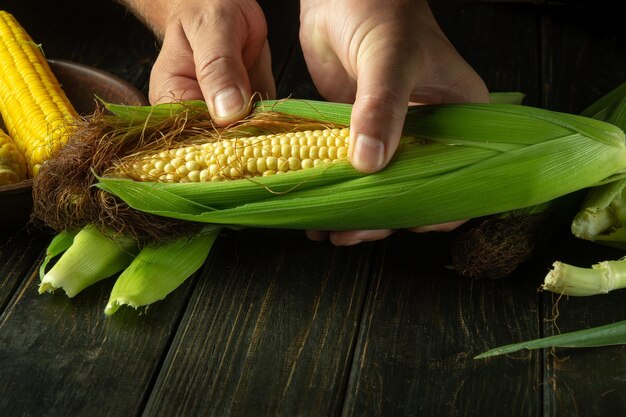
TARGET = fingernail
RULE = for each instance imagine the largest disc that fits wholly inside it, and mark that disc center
(369, 153)
(228, 102)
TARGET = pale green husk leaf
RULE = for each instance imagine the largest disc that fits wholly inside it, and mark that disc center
(91, 257)
(157, 270)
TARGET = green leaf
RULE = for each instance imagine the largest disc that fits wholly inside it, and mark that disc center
(159, 269)
(91, 257)
(59, 244)
(607, 335)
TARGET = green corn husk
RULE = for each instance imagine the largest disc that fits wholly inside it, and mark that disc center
(520, 156)
(600, 220)
(159, 269)
(89, 256)
(149, 274)
(603, 217)
(59, 244)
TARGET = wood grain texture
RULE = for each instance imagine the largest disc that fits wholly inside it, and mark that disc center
(423, 325)
(584, 57)
(63, 357)
(583, 382)
(20, 251)
(269, 330)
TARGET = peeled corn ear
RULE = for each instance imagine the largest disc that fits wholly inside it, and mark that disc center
(12, 162)
(517, 156)
(35, 110)
(237, 158)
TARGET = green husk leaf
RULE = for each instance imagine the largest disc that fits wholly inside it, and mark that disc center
(159, 269)
(91, 257)
(59, 244)
(311, 109)
(607, 335)
(602, 218)
(605, 107)
(140, 114)
(506, 97)
(603, 215)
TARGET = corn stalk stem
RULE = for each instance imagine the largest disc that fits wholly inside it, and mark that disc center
(601, 278)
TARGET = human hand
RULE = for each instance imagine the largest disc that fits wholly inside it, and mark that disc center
(213, 50)
(381, 56)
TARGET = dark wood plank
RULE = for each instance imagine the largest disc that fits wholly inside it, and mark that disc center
(584, 58)
(269, 330)
(62, 356)
(586, 382)
(423, 325)
(20, 249)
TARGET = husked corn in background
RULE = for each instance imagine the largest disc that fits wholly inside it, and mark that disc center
(35, 110)
(12, 163)
(240, 157)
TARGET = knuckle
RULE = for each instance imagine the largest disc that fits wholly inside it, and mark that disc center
(389, 106)
(217, 70)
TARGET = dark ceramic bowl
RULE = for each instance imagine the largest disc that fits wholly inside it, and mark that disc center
(81, 84)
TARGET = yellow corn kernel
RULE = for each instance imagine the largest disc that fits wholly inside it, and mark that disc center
(12, 162)
(239, 158)
(35, 110)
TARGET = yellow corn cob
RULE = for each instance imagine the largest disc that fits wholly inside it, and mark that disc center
(12, 162)
(239, 158)
(35, 110)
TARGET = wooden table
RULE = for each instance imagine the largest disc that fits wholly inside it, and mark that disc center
(277, 325)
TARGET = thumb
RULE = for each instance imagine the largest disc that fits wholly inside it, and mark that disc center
(380, 106)
(221, 72)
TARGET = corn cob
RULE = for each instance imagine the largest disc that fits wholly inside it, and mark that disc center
(35, 110)
(238, 158)
(12, 163)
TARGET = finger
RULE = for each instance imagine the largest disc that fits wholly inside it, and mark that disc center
(317, 235)
(353, 237)
(173, 75)
(220, 70)
(443, 227)
(384, 82)
(261, 77)
(326, 69)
